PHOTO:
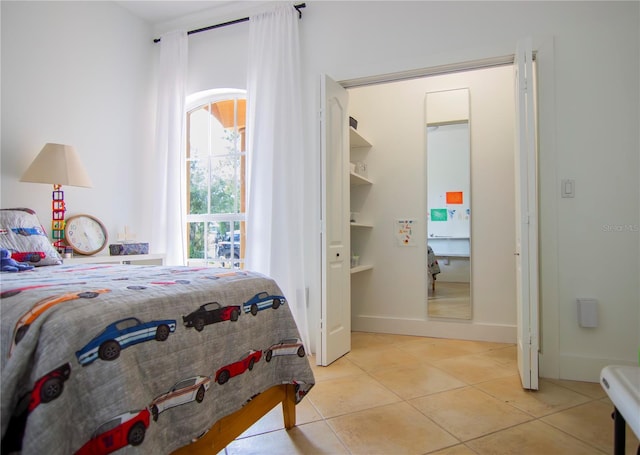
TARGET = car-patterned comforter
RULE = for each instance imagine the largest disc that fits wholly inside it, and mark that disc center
(99, 358)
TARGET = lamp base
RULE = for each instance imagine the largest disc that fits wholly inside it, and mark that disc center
(57, 218)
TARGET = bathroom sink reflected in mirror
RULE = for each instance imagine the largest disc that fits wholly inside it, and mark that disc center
(448, 268)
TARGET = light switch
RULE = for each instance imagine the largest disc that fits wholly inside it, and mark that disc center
(568, 188)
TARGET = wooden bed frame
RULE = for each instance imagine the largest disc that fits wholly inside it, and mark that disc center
(230, 427)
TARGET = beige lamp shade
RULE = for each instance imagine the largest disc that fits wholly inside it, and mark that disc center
(57, 164)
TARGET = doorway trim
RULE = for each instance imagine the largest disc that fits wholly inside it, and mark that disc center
(431, 71)
(439, 329)
(544, 54)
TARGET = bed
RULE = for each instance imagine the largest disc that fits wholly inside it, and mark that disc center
(148, 359)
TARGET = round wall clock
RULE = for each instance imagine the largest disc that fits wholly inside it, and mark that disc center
(85, 234)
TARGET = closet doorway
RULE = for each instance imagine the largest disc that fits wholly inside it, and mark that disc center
(385, 301)
(393, 297)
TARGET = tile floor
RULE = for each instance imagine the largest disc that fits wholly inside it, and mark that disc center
(412, 395)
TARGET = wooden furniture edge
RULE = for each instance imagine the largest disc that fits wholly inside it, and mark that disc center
(228, 428)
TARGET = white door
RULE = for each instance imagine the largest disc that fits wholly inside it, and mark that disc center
(335, 330)
(526, 218)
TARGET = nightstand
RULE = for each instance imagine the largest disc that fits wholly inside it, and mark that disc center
(137, 259)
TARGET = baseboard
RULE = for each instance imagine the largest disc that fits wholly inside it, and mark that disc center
(580, 368)
(463, 330)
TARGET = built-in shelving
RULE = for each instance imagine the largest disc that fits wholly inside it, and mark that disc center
(361, 268)
(359, 236)
(361, 225)
(357, 140)
(357, 179)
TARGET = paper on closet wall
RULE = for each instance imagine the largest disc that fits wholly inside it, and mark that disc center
(404, 232)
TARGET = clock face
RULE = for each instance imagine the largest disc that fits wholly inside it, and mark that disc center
(85, 234)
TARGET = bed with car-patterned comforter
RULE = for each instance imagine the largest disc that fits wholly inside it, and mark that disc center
(140, 359)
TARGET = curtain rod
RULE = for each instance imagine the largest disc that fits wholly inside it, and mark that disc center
(236, 21)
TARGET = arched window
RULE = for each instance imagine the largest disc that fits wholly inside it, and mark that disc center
(216, 160)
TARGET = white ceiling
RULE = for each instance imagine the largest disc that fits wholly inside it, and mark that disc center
(159, 11)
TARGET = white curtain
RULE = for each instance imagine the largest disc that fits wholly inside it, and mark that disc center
(276, 161)
(168, 234)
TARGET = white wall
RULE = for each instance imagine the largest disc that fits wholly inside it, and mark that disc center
(589, 116)
(582, 84)
(78, 73)
(392, 116)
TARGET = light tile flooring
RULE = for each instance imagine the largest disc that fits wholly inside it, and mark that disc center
(412, 395)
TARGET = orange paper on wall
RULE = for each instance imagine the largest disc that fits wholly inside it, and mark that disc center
(454, 197)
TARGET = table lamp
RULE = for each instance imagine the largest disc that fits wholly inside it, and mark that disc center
(58, 165)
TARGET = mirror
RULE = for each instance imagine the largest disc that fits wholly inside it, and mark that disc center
(448, 275)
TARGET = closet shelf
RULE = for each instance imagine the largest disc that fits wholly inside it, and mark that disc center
(361, 268)
(356, 139)
(357, 179)
(361, 225)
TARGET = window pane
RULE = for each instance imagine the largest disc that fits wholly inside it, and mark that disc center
(196, 240)
(229, 251)
(198, 124)
(225, 186)
(224, 126)
(198, 186)
(215, 231)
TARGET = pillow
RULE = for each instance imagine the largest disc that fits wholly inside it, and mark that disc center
(22, 234)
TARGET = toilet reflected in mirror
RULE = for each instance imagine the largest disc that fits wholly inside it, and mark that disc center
(448, 261)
